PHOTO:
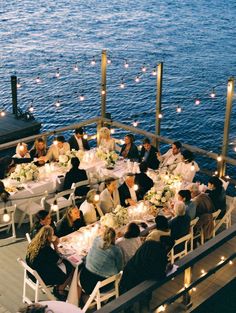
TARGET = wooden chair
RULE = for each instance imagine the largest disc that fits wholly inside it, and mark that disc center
(227, 218)
(10, 224)
(215, 215)
(97, 296)
(183, 240)
(35, 286)
(192, 225)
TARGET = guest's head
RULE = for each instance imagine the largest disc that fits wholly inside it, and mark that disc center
(132, 231)
(79, 132)
(4, 195)
(129, 180)
(72, 214)
(43, 217)
(147, 144)
(43, 238)
(104, 133)
(161, 223)
(40, 144)
(22, 149)
(179, 208)
(75, 162)
(109, 237)
(167, 242)
(214, 183)
(194, 189)
(2, 187)
(188, 156)
(33, 308)
(176, 147)
(143, 167)
(5, 164)
(92, 196)
(129, 139)
(60, 141)
(111, 184)
(184, 195)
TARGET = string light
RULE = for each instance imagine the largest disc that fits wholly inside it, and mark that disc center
(144, 68)
(216, 172)
(2, 113)
(135, 187)
(126, 64)
(122, 143)
(6, 216)
(93, 62)
(161, 308)
(203, 272)
(96, 197)
(213, 94)
(137, 79)
(160, 115)
(54, 206)
(122, 84)
(178, 109)
(227, 177)
(58, 103)
(230, 262)
(234, 149)
(140, 147)
(81, 97)
(76, 68)
(112, 131)
(18, 84)
(38, 80)
(222, 258)
(219, 158)
(55, 141)
(194, 289)
(103, 92)
(108, 61)
(135, 123)
(154, 72)
(197, 101)
(192, 168)
(31, 107)
(85, 136)
(58, 73)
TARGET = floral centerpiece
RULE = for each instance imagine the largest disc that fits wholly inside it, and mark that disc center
(110, 157)
(159, 197)
(25, 172)
(64, 160)
(118, 218)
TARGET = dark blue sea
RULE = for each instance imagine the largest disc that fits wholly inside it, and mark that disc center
(195, 39)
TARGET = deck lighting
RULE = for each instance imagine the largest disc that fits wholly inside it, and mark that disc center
(96, 197)
(122, 84)
(103, 92)
(112, 131)
(234, 149)
(54, 206)
(192, 168)
(230, 262)
(154, 72)
(21, 147)
(58, 103)
(81, 97)
(55, 141)
(216, 173)
(108, 61)
(31, 108)
(135, 187)
(2, 113)
(144, 68)
(85, 136)
(203, 272)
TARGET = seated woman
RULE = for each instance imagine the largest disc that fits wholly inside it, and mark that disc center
(180, 224)
(22, 154)
(217, 195)
(190, 206)
(162, 229)
(130, 242)
(71, 221)
(144, 182)
(75, 175)
(45, 260)
(103, 260)
(188, 167)
(109, 197)
(4, 195)
(90, 208)
(38, 150)
(105, 141)
(129, 150)
(43, 218)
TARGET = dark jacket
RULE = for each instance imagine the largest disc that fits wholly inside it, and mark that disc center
(133, 152)
(152, 161)
(149, 262)
(125, 194)
(74, 144)
(179, 226)
(76, 175)
(144, 183)
(218, 198)
(63, 227)
(36, 228)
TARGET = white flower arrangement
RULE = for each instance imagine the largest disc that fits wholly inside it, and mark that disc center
(116, 219)
(64, 160)
(159, 197)
(110, 157)
(25, 172)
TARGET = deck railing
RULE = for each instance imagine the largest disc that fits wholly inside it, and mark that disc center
(138, 293)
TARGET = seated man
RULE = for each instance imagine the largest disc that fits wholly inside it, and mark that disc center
(59, 147)
(171, 158)
(204, 204)
(127, 192)
(77, 141)
(149, 154)
(144, 182)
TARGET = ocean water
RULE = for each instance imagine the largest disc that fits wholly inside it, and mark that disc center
(195, 39)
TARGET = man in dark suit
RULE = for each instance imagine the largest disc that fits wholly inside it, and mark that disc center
(77, 141)
(128, 192)
(149, 154)
(144, 182)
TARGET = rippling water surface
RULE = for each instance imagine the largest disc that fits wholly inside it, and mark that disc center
(195, 39)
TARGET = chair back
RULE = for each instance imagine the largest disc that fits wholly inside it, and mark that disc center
(34, 285)
(192, 225)
(215, 215)
(80, 184)
(183, 240)
(10, 223)
(27, 235)
(97, 296)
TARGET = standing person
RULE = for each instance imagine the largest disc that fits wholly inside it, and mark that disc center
(127, 192)
(106, 142)
(129, 150)
(71, 221)
(103, 260)
(109, 197)
(77, 141)
(143, 181)
(44, 259)
(188, 167)
(171, 158)
(59, 147)
(148, 154)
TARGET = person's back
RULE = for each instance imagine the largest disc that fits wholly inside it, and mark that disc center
(203, 204)
(179, 226)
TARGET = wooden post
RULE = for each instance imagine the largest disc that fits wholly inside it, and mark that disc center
(103, 83)
(230, 94)
(158, 100)
(187, 280)
(14, 94)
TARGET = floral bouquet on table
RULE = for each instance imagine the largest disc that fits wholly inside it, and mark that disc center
(25, 172)
(116, 219)
(64, 160)
(110, 157)
(159, 198)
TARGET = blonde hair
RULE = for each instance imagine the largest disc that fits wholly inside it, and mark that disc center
(108, 237)
(180, 208)
(90, 195)
(104, 132)
(19, 145)
(38, 140)
(39, 241)
(68, 213)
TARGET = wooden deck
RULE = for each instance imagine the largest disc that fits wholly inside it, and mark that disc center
(12, 276)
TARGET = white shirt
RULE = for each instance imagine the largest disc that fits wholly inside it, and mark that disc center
(80, 143)
(186, 171)
(108, 145)
(89, 212)
(107, 202)
(170, 160)
(128, 246)
(18, 156)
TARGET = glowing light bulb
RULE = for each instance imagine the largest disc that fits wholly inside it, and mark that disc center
(6, 217)
(81, 97)
(227, 177)
(230, 262)
(57, 73)
(140, 147)
(31, 108)
(135, 123)
(154, 72)
(192, 168)
(161, 308)
(108, 61)
(85, 136)
(197, 101)
(126, 64)
(18, 84)
(2, 113)
(55, 141)
(112, 131)
(222, 258)
(38, 80)
(194, 289)
(160, 115)
(103, 92)
(122, 143)
(76, 68)
(135, 187)
(216, 172)
(122, 84)
(213, 94)
(96, 197)
(54, 207)
(93, 62)
(219, 158)
(234, 149)
(144, 68)
(137, 79)
(178, 109)
(203, 272)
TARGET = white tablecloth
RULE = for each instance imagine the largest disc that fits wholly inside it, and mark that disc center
(61, 307)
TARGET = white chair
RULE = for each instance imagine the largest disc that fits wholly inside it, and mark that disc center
(183, 240)
(97, 297)
(215, 215)
(79, 184)
(29, 208)
(27, 235)
(192, 225)
(35, 286)
(227, 218)
(60, 201)
(7, 221)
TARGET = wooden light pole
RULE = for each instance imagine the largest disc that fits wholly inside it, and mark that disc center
(230, 94)
(103, 83)
(158, 100)
(14, 95)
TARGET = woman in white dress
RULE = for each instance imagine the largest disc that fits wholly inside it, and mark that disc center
(109, 197)
(188, 167)
(106, 142)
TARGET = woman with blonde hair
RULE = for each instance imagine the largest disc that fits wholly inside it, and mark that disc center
(106, 142)
(38, 150)
(45, 260)
(103, 260)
